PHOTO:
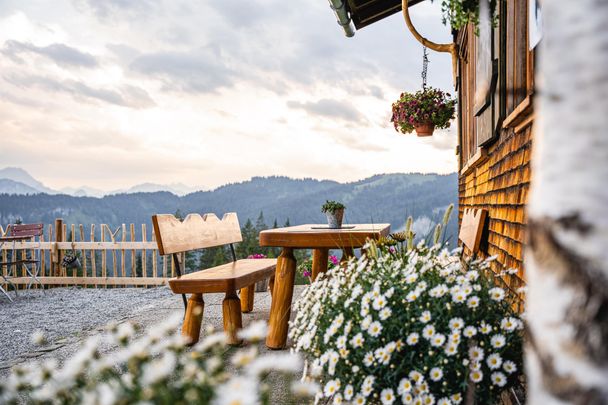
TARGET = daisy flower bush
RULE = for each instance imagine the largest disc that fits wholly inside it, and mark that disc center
(156, 368)
(411, 326)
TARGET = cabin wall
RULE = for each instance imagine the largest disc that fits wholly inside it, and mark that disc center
(495, 174)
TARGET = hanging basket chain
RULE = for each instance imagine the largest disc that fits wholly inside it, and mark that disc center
(425, 66)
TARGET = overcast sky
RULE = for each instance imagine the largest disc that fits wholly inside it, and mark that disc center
(117, 92)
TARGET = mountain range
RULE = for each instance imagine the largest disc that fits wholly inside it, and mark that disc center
(14, 180)
(384, 198)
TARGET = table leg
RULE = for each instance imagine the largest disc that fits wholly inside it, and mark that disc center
(347, 253)
(280, 309)
(320, 258)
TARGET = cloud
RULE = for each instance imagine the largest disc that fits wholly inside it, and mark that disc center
(61, 54)
(127, 96)
(108, 10)
(202, 70)
(330, 109)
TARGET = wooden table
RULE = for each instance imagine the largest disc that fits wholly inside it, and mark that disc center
(321, 240)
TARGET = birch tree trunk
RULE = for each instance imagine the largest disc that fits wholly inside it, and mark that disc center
(567, 257)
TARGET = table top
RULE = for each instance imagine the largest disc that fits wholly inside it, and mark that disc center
(319, 236)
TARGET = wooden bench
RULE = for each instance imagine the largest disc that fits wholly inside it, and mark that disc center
(196, 232)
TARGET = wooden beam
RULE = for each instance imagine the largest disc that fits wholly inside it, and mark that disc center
(93, 280)
(81, 245)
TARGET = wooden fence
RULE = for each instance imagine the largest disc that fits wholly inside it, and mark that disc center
(110, 257)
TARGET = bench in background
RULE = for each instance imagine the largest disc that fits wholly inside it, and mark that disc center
(195, 232)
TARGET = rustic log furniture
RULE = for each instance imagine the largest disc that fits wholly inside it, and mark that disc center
(321, 240)
(31, 263)
(196, 232)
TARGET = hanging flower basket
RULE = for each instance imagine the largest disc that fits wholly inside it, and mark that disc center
(424, 111)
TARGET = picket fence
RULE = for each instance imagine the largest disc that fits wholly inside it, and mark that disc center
(110, 257)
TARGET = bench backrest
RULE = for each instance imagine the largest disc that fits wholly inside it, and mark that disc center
(26, 230)
(195, 232)
(471, 228)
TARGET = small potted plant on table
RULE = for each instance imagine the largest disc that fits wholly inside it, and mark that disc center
(423, 111)
(335, 213)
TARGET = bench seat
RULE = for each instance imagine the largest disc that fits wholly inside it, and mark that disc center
(226, 277)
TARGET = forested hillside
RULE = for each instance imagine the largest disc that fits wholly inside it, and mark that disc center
(381, 198)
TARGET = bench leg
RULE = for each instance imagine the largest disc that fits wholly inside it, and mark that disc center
(271, 285)
(191, 328)
(231, 309)
(247, 295)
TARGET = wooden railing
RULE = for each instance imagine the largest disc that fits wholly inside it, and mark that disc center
(110, 257)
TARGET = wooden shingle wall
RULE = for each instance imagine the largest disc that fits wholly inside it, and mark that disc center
(495, 175)
(500, 185)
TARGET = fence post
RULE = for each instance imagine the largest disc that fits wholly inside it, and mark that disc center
(58, 238)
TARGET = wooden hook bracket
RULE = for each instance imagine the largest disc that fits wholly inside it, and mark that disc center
(450, 48)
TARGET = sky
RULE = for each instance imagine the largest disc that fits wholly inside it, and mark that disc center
(113, 93)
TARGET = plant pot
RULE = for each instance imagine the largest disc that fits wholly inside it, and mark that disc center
(424, 129)
(334, 219)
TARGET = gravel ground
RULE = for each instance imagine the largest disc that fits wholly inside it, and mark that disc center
(67, 316)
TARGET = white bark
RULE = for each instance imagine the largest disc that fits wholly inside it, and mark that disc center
(567, 258)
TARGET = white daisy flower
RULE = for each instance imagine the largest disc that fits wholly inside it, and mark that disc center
(497, 294)
(413, 338)
(412, 296)
(456, 323)
(341, 342)
(451, 349)
(405, 385)
(436, 374)
(379, 302)
(498, 379)
(387, 396)
(348, 392)
(357, 340)
(338, 399)
(428, 399)
(473, 302)
(437, 340)
(497, 341)
(485, 328)
(458, 296)
(476, 376)
(366, 322)
(509, 367)
(476, 353)
(509, 324)
(456, 398)
(374, 329)
(385, 313)
(494, 361)
(469, 331)
(331, 387)
(425, 317)
(407, 398)
(359, 400)
(455, 337)
(368, 360)
(444, 401)
(415, 376)
(472, 275)
(411, 278)
(428, 331)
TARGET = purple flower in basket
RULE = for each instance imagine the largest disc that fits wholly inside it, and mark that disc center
(257, 256)
(334, 260)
